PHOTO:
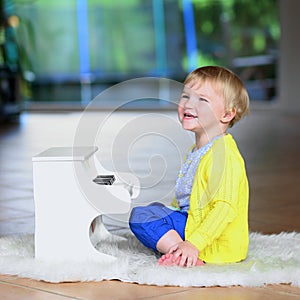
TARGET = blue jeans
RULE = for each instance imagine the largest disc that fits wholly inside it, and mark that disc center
(149, 223)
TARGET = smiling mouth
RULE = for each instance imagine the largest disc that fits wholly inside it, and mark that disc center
(188, 115)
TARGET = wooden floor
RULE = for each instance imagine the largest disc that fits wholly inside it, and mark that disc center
(270, 143)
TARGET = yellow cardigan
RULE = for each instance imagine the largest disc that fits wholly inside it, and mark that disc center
(217, 221)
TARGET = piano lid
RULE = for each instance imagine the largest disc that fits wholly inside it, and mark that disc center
(65, 154)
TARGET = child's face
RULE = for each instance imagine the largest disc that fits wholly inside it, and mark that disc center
(201, 108)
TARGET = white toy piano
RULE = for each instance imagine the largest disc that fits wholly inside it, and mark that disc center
(71, 190)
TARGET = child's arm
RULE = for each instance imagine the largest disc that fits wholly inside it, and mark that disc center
(213, 225)
(186, 253)
(219, 194)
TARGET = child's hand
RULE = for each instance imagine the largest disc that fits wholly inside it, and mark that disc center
(187, 252)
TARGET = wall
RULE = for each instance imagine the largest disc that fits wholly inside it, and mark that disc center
(289, 59)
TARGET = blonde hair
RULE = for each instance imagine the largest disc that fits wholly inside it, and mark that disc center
(227, 84)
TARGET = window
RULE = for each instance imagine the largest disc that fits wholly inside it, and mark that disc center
(65, 45)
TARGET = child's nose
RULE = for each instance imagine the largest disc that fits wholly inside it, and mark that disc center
(189, 103)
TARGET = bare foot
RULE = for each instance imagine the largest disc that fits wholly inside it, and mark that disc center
(168, 260)
(200, 262)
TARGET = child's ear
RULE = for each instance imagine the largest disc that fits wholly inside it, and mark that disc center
(228, 115)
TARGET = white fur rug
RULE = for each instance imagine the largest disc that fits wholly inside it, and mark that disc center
(272, 259)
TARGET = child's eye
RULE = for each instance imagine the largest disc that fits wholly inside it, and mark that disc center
(186, 97)
(203, 99)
